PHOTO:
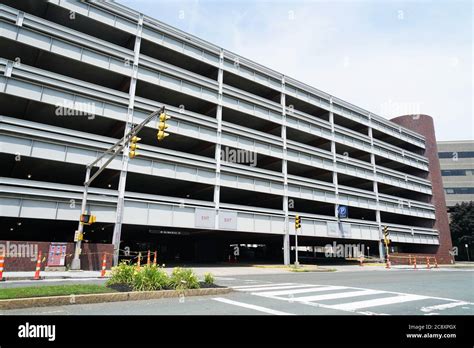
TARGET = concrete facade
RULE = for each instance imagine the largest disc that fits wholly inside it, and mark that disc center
(457, 168)
(249, 147)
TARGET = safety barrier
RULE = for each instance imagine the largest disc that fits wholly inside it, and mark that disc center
(104, 266)
(2, 262)
(38, 267)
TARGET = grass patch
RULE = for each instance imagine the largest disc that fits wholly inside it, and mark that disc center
(54, 290)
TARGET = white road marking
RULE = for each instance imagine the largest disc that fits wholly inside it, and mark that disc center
(443, 306)
(378, 302)
(337, 295)
(250, 306)
(224, 278)
(299, 291)
(260, 285)
(276, 287)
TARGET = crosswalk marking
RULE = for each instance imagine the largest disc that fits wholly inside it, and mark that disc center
(274, 287)
(300, 291)
(337, 295)
(351, 306)
(251, 306)
(260, 285)
(443, 306)
(315, 295)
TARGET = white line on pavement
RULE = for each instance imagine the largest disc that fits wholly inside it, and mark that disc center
(377, 302)
(443, 306)
(260, 285)
(299, 291)
(337, 295)
(250, 306)
(276, 287)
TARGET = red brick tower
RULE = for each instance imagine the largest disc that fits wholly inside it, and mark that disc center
(423, 124)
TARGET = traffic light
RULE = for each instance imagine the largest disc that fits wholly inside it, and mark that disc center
(87, 219)
(297, 222)
(386, 235)
(162, 126)
(133, 146)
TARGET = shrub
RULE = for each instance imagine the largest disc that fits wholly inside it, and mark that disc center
(184, 278)
(150, 278)
(121, 274)
(208, 278)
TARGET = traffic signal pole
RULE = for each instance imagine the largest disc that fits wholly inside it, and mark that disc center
(114, 150)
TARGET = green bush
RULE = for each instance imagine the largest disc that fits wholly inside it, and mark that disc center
(121, 274)
(150, 278)
(183, 278)
(208, 278)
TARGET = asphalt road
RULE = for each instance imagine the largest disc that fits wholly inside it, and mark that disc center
(383, 292)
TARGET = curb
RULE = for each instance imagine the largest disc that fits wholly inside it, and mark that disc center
(19, 303)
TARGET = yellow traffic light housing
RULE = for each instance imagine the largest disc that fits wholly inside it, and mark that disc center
(87, 219)
(162, 126)
(297, 222)
(133, 146)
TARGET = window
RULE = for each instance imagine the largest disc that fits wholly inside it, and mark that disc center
(456, 172)
(456, 154)
(460, 190)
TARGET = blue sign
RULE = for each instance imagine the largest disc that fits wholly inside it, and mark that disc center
(342, 211)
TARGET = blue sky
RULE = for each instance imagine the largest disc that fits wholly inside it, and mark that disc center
(389, 57)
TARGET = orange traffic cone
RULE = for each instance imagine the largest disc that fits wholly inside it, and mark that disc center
(154, 259)
(409, 259)
(2, 262)
(414, 262)
(104, 266)
(428, 262)
(148, 259)
(435, 261)
(139, 260)
(38, 267)
(388, 262)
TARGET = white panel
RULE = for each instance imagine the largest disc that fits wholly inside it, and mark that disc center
(49, 151)
(23, 89)
(160, 215)
(183, 217)
(9, 207)
(41, 210)
(135, 213)
(66, 49)
(15, 145)
(262, 223)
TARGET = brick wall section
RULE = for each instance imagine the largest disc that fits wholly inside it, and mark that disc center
(91, 256)
(423, 124)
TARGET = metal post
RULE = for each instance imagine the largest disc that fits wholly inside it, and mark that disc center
(296, 248)
(467, 251)
(76, 261)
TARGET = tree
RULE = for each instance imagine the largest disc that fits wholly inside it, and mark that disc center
(462, 228)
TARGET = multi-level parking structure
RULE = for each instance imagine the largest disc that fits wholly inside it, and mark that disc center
(313, 150)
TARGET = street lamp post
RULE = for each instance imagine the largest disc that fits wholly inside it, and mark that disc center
(467, 252)
(368, 251)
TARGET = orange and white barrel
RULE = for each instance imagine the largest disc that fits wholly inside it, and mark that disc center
(38, 267)
(2, 263)
(104, 266)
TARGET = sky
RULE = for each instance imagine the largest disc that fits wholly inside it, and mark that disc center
(389, 57)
